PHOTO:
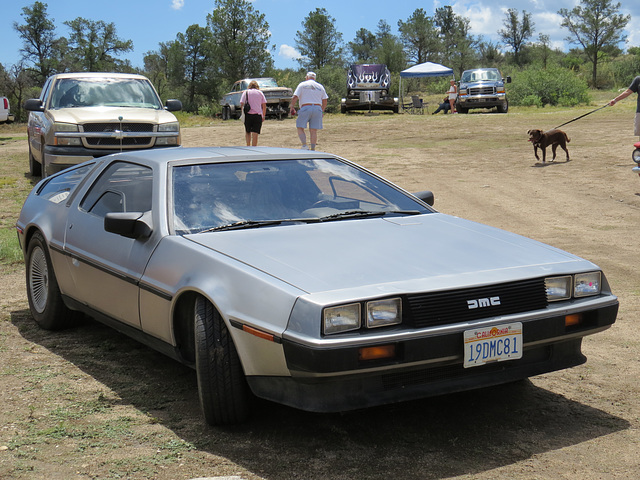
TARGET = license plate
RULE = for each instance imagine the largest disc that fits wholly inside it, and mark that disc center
(492, 344)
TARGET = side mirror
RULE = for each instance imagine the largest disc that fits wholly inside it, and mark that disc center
(129, 224)
(173, 105)
(34, 105)
(426, 196)
(507, 80)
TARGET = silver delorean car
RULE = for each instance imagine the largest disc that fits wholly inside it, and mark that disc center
(301, 278)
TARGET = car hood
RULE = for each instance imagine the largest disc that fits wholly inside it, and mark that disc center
(81, 115)
(391, 254)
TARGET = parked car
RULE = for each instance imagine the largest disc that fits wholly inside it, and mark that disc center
(301, 278)
(482, 88)
(5, 111)
(80, 116)
(278, 98)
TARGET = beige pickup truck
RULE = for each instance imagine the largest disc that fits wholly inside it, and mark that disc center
(80, 116)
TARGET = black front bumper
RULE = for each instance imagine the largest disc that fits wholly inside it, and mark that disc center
(335, 379)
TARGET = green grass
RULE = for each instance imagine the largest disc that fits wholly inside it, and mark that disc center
(10, 252)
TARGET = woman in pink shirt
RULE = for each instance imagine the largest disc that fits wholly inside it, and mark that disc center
(253, 120)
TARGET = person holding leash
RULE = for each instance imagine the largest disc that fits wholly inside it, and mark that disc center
(253, 120)
(633, 88)
(313, 101)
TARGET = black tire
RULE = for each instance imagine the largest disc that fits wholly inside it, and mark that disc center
(636, 156)
(504, 107)
(45, 301)
(222, 386)
(35, 168)
(226, 114)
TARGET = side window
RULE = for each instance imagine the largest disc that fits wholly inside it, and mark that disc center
(122, 187)
(58, 188)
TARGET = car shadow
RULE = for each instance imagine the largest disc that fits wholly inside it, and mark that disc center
(458, 434)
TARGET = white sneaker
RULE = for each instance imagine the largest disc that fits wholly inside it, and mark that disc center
(304, 147)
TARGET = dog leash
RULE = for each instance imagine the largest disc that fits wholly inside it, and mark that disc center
(588, 113)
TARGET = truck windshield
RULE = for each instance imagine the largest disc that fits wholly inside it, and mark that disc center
(98, 92)
(480, 75)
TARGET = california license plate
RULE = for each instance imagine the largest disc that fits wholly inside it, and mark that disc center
(492, 344)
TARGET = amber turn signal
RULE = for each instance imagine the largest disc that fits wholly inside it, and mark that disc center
(377, 352)
(572, 320)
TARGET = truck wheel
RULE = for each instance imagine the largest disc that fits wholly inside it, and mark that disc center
(343, 109)
(225, 112)
(462, 110)
(35, 168)
(503, 107)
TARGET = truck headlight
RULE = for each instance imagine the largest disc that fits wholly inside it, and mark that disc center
(60, 129)
(381, 313)
(341, 318)
(169, 127)
(173, 127)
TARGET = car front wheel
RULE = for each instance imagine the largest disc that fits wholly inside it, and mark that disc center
(222, 386)
(45, 300)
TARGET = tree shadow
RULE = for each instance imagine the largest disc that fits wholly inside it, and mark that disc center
(465, 433)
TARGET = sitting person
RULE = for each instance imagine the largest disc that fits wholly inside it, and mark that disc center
(445, 106)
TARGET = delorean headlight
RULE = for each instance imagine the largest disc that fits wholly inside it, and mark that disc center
(381, 313)
(558, 288)
(587, 284)
(341, 318)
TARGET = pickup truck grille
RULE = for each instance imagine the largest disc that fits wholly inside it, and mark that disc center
(442, 308)
(109, 142)
(482, 90)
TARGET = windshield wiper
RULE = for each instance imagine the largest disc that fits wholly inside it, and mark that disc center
(242, 224)
(365, 213)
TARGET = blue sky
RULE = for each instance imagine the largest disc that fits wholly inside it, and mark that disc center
(149, 22)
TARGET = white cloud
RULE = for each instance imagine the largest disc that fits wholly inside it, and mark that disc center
(177, 4)
(288, 52)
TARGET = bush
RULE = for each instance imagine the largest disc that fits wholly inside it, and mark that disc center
(552, 86)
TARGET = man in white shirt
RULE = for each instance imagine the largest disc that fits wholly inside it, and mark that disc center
(313, 101)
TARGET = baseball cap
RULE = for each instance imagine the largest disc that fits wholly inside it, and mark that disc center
(311, 74)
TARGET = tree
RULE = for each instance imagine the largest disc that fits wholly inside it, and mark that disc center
(319, 42)
(420, 37)
(363, 46)
(458, 44)
(92, 45)
(390, 51)
(196, 45)
(597, 27)
(39, 42)
(516, 32)
(240, 36)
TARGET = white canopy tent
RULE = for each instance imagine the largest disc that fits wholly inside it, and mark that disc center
(427, 69)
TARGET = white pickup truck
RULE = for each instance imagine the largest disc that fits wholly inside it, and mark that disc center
(80, 116)
(5, 111)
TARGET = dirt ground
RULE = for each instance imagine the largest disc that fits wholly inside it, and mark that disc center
(89, 403)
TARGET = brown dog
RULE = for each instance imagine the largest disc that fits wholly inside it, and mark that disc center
(544, 139)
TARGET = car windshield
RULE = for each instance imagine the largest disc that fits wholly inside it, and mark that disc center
(98, 92)
(221, 196)
(481, 75)
(267, 83)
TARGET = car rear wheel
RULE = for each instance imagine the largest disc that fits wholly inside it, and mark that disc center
(45, 300)
(222, 386)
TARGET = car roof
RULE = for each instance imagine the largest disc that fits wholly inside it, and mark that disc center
(98, 75)
(190, 155)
